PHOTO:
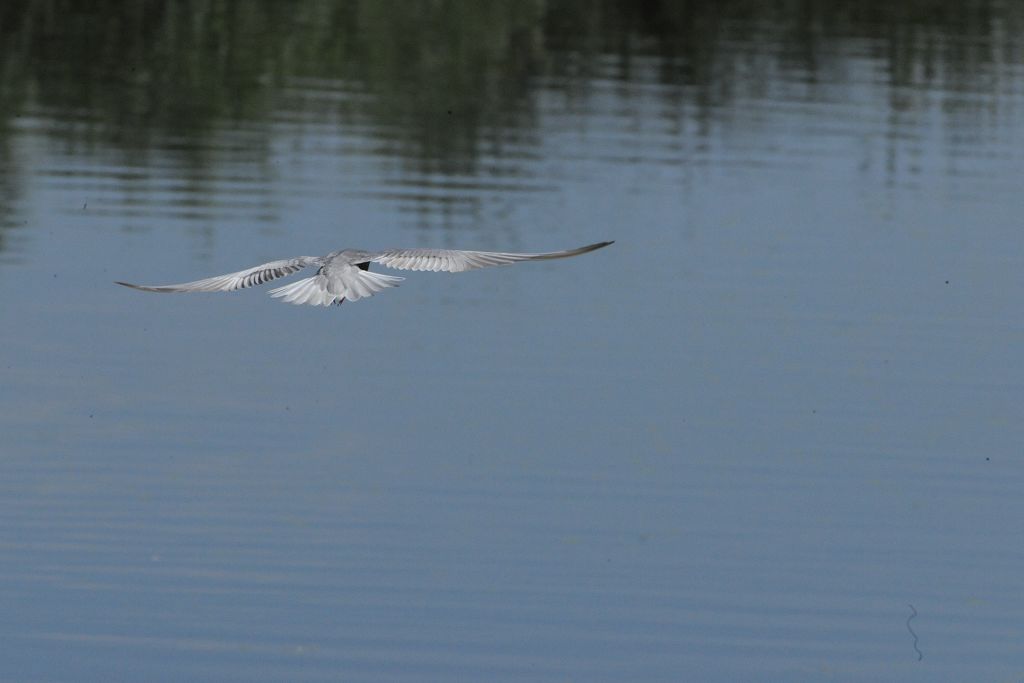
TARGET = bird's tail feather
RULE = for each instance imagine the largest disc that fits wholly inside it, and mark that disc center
(364, 284)
(314, 290)
(309, 290)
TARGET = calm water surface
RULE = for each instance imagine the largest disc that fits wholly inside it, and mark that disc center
(739, 444)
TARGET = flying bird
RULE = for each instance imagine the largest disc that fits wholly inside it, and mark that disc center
(345, 275)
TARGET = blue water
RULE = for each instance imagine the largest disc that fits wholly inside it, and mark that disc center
(738, 444)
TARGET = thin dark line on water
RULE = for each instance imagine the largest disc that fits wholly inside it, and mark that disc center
(920, 655)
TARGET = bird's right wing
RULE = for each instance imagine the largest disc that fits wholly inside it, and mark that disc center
(456, 260)
(256, 275)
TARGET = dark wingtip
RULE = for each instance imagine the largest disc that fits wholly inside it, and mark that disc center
(141, 288)
(128, 284)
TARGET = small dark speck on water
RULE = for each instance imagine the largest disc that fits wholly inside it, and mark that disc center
(947, 282)
(913, 613)
(85, 206)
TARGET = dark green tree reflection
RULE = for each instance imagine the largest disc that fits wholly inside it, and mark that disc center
(447, 72)
(449, 78)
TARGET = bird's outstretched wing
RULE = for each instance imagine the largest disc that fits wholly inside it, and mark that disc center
(456, 261)
(256, 275)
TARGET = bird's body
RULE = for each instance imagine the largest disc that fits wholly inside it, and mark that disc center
(345, 275)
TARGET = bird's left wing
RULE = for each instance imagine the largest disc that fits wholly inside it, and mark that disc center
(256, 275)
(456, 260)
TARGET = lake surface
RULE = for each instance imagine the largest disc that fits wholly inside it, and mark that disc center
(773, 433)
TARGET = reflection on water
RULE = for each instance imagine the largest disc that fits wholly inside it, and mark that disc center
(733, 446)
(185, 98)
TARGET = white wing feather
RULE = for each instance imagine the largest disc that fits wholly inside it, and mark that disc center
(256, 275)
(457, 261)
